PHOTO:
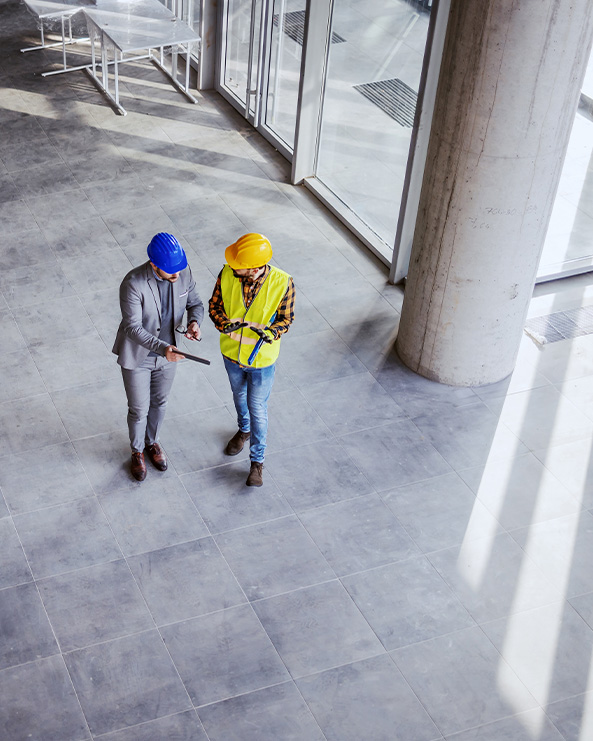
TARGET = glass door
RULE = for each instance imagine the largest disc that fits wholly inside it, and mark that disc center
(241, 32)
(187, 10)
(375, 62)
(568, 249)
(260, 61)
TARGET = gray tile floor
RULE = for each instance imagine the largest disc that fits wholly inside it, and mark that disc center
(417, 565)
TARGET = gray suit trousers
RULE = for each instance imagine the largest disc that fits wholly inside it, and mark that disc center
(147, 388)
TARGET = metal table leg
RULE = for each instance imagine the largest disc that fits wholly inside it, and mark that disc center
(103, 83)
(56, 44)
(172, 75)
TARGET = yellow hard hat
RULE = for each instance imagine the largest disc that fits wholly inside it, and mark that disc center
(249, 251)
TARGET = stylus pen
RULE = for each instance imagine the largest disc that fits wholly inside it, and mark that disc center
(259, 343)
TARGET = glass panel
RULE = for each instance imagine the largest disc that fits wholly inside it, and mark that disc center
(375, 61)
(187, 10)
(288, 24)
(238, 32)
(569, 241)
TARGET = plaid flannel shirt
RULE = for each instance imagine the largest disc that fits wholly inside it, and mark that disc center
(284, 314)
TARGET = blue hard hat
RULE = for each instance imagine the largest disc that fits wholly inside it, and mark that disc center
(166, 253)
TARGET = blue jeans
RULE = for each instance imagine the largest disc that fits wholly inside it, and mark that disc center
(251, 389)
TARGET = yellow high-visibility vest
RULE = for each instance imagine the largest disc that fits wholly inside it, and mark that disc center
(239, 345)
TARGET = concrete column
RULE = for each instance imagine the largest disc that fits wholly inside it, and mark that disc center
(506, 100)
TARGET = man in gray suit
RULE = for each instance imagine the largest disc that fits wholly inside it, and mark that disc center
(153, 299)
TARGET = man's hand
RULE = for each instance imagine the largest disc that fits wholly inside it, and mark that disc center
(264, 334)
(172, 355)
(233, 327)
(193, 331)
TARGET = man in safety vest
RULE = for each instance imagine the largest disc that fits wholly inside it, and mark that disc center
(252, 306)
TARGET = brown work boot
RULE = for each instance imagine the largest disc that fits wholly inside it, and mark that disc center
(157, 456)
(138, 466)
(255, 477)
(236, 443)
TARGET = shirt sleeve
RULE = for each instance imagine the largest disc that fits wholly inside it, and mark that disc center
(216, 307)
(285, 312)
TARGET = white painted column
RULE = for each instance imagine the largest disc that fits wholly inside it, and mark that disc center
(208, 47)
(506, 100)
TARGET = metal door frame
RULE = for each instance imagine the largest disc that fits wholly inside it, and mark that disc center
(254, 114)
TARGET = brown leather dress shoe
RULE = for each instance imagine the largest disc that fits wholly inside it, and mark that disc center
(157, 456)
(236, 443)
(138, 466)
(255, 477)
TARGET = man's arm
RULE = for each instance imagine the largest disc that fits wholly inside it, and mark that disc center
(195, 310)
(216, 307)
(285, 312)
(195, 305)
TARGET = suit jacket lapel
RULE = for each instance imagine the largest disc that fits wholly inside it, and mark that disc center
(153, 285)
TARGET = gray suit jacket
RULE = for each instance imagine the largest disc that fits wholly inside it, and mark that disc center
(140, 303)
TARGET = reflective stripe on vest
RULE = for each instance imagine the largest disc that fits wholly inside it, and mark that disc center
(238, 345)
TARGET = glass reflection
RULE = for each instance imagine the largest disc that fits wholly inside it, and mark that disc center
(569, 240)
(187, 10)
(285, 67)
(375, 62)
(238, 47)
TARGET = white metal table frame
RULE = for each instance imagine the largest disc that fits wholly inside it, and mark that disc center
(160, 28)
(63, 13)
(108, 40)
